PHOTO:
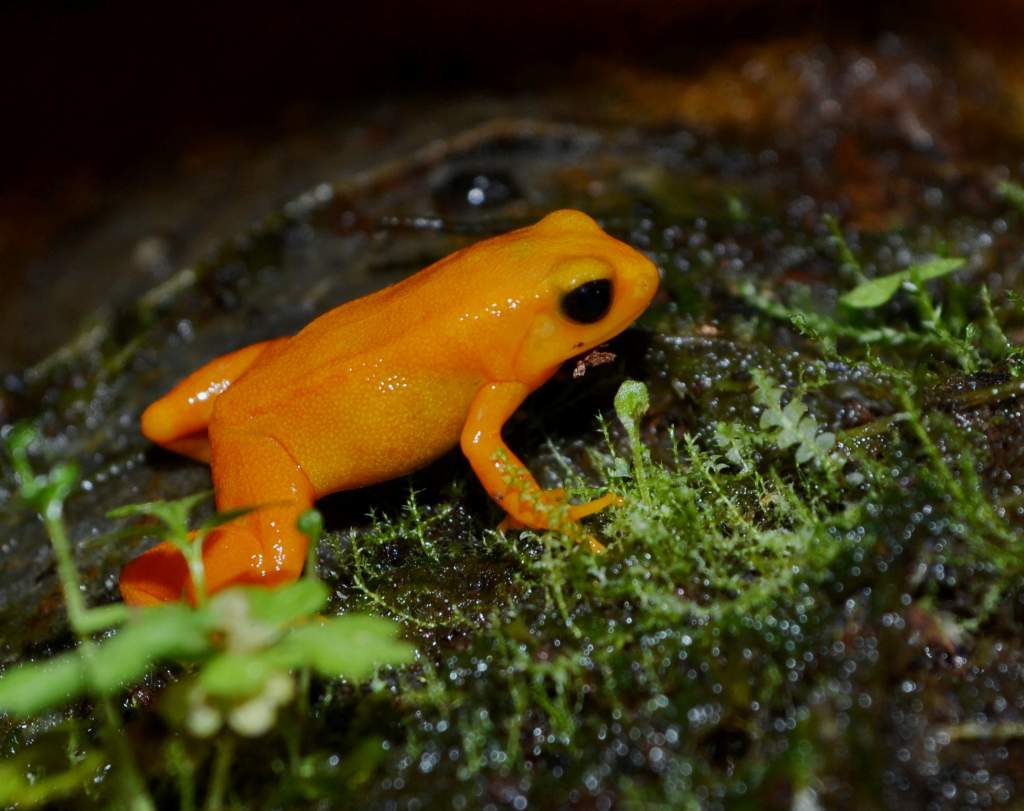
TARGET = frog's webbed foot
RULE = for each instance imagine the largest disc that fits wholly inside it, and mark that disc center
(554, 500)
(552, 511)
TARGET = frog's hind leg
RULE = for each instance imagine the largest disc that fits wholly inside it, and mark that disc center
(178, 420)
(263, 547)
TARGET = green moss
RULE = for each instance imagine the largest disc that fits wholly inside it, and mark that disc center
(727, 576)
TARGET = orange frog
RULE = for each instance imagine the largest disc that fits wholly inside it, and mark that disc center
(380, 386)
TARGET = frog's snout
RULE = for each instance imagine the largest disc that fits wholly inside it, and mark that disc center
(642, 281)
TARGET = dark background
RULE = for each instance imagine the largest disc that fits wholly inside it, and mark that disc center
(100, 96)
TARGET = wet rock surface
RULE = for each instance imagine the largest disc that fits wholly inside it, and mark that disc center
(728, 178)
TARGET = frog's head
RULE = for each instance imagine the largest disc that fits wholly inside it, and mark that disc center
(589, 288)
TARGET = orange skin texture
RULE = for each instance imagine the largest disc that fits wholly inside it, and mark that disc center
(381, 386)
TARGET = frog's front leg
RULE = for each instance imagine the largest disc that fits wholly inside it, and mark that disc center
(263, 547)
(505, 477)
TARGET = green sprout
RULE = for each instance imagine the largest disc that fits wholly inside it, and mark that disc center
(239, 649)
(173, 521)
(878, 291)
(631, 403)
(32, 688)
(850, 266)
(1013, 193)
(791, 425)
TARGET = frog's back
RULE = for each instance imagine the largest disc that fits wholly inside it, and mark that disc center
(443, 317)
(351, 335)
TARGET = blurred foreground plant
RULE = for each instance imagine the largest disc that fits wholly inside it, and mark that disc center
(241, 648)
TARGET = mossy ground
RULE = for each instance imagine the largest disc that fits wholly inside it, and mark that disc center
(811, 592)
(760, 632)
(827, 618)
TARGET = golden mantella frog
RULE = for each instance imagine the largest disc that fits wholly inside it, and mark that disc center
(381, 386)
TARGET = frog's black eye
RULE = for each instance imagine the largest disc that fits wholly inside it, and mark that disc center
(588, 303)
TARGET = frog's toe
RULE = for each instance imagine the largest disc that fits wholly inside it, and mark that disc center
(578, 511)
(510, 523)
(570, 517)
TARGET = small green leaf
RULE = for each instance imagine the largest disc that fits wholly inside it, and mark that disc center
(44, 493)
(21, 436)
(287, 603)
(825, 441)
(103, 617)
(874, 293)
(736, 209)
(238, 675)
(63, 476)
(173, 515)
(768, 394)
(878, 291)
(736, 443)
(793, 425)
(350, 647)
(158, 509)
(153, 635)
(934, 268)
(1013, 193)
(804, 454)
(32, 688)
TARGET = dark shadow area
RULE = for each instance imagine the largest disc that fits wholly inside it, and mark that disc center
(104, 98)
